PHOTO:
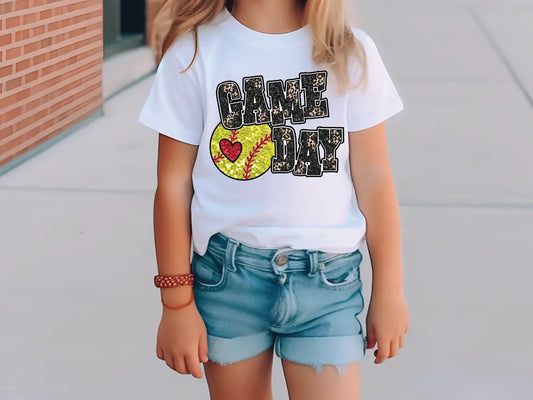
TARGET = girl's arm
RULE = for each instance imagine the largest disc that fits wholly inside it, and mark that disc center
(387, 319)
(182, 335)
(376, 196)
(172, 213)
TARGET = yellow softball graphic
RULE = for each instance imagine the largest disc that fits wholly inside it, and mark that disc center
(243, 153)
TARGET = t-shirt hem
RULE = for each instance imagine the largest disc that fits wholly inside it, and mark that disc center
(266, 237)
(157, 125)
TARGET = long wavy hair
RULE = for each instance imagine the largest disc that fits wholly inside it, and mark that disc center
(329, 21)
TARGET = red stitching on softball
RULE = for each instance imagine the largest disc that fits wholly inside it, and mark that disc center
(253, 153)
(233, 135)
(218, 157)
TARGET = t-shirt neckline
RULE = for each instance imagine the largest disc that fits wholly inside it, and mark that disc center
(287, 39)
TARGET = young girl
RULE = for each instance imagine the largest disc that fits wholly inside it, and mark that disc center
(272, 170)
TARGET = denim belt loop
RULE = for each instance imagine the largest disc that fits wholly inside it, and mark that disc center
(313, 263)
(231, 248)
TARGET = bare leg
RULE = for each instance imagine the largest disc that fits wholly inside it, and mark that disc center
(305, 383)
(242, 380)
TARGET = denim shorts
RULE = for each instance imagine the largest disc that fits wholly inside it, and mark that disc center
(304, 302)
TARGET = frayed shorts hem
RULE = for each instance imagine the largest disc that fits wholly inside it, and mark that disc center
(226, 351)
(308, 350)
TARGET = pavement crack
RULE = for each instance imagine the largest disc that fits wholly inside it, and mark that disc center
(498, 50)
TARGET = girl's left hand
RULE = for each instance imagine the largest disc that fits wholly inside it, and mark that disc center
(387, 323)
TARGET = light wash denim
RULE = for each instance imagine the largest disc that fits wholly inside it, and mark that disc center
(304, 302)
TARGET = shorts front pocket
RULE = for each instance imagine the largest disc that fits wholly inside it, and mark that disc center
(341, 271)
(209, 272)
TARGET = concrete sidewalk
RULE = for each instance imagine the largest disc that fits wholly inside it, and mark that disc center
(76, 220)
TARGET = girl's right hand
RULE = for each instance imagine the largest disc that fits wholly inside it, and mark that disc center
(182, 340)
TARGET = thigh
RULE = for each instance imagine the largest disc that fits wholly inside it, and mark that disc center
(305, 383)
(242, 380)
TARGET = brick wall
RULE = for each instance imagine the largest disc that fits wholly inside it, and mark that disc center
(51, 54)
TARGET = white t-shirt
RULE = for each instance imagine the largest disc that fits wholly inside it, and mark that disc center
(272, 168)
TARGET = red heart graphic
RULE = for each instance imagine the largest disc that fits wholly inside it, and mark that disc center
(231, 150)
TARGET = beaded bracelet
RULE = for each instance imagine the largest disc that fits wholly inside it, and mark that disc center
(162, 281)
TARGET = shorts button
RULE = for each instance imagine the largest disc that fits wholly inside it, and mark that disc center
(282, 259)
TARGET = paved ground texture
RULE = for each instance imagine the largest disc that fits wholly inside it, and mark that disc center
(76, 220)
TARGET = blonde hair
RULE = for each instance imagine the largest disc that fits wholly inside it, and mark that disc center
(329, 21)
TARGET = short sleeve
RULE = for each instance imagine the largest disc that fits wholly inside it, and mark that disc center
(174, 106)
(379, 100)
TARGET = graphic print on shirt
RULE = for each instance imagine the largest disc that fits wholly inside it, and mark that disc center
(253, 137)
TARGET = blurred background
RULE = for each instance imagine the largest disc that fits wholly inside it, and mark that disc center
(61, 60)
(78, 310)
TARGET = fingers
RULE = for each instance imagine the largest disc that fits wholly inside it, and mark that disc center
(188, 364)
(370, 339)
(193, 365)
(160, 353)
(394, 344)
(387, 347)
(382, 353)
(202, 348)
(170, 361)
